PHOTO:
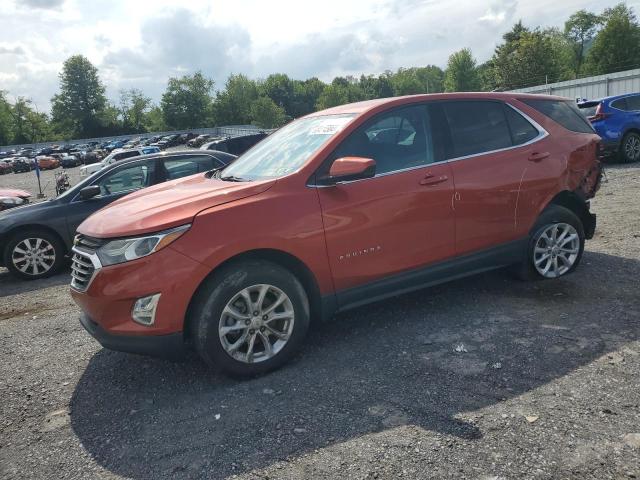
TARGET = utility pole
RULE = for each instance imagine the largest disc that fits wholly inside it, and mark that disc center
(34, 142)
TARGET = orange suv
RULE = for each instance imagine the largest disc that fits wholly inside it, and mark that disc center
(343, 207)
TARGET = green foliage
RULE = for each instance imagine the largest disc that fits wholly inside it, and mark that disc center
(616, 47)
(134, 108)
(187, 101)
(81, 101)
(266, 114)
(342, 90)
(526, 58)
(580, 30)
(305, 96)
(461, 74)
(233, 104)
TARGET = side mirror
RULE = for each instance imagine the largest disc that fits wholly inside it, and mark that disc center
(89, 192)
(346, 169)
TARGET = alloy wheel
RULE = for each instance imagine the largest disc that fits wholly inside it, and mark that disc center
(33, 256)
(556, 250)
(256, 323)
(632, 148)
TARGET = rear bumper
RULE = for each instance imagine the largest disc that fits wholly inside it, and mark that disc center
(170, 346)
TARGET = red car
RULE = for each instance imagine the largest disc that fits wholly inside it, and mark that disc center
(343, 207)
(10, 198)
(48, 163)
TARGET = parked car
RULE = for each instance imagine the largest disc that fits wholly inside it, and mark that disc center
(235, 145)
(116, 156)
(6, 166)
(331, 212)
(113, 145)
(23, 164)
(52, 224)
(198, 141)
(94, 156)
(617, 120)
(70, 161)
(10, 198)
(47, 162)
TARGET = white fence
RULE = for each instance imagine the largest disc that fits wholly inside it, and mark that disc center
(592, 87)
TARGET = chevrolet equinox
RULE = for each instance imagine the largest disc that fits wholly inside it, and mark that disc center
(343, 207)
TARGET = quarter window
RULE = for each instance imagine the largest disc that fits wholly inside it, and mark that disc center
(396, 140)
(620, 104)
(563, 112)
(633, 103)
(521, 130)
(477, 127)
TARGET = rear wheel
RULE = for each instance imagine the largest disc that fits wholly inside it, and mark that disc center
(555, 247)
(250, 318)
(34, 254)
(630, 147)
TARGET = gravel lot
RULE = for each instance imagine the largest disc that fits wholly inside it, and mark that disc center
(481, 378)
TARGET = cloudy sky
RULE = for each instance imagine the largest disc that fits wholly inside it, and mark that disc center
(140, 43)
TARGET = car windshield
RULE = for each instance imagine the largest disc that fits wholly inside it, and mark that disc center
(285, 150)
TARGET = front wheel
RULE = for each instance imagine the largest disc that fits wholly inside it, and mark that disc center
(250, 318)
(630, 147)
(34, 254)
(555, 247)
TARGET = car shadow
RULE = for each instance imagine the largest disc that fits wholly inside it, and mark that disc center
(11, 285)
(423, 359)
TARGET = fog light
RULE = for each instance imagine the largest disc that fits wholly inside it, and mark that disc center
(144, 310)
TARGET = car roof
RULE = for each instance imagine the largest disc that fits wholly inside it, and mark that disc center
(152, 156)
(362, 107)
(610, 97)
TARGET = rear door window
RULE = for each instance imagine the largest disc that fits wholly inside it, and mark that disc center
(563, 112)
(127, 178)
(476, 127)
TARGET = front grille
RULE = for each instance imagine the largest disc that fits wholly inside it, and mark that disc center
(82, 271)
(85, 263)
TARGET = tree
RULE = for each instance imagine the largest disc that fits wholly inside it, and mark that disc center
(266, 114)
(580, 29)
(376, 87)
(81, 100)
(233, 104)
(134, 106)
(6, 121)
(342, 90)
(280, 88)
(617, 45)
(305, 96)
(187, 101)
(461, 74)
(154, 120)
(526, 58)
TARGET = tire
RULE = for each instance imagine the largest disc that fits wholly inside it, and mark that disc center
(567, 257)
(220, 304)
(630, 148)
(49, 245)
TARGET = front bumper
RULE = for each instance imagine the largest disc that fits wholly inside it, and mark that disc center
(113, 291)
(170, 346)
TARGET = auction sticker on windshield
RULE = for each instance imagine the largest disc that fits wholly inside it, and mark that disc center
(330, 126)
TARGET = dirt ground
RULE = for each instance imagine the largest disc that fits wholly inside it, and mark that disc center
(482, 378)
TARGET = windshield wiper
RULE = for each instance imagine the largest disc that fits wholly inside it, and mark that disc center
(233, 178)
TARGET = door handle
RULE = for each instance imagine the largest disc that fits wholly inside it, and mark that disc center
(538, 156)
(430, 179)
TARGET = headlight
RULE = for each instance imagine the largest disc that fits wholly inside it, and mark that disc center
(127, 249)
(12, 201)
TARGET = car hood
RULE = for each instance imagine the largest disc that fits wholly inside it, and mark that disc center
(166, 205)
(13, 192)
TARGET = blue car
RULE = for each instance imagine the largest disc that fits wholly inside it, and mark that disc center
(617, 120)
